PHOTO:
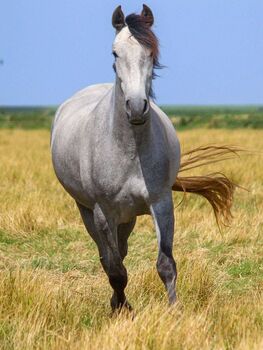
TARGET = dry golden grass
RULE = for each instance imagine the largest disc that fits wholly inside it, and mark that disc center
(54, 294)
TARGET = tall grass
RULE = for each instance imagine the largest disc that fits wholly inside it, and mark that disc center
(54, 294)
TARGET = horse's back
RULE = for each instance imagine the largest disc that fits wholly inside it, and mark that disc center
(81, 103)
(93, 92)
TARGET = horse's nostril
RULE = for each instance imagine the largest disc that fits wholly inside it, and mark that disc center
(137, 107)
(128, 106)
(145, 108)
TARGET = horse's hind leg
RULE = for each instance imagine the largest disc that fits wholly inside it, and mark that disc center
(104, 234)
(124, 231)
(163, 215)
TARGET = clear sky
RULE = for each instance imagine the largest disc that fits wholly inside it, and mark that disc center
(212, 49)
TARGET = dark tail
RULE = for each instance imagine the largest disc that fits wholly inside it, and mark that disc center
(216, 188)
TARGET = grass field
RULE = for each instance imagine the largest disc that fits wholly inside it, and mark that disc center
(54, 294)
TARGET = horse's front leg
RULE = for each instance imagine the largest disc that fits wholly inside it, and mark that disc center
(104, 233)
(163, 215)
(111, 258)
(124, 231)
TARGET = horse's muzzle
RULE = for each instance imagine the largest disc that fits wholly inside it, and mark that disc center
(137, 110)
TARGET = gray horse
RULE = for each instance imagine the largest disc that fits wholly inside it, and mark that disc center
(117, 154)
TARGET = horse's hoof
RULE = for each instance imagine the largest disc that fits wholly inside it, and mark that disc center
(121, 308)
(172, 300)
(127, 306)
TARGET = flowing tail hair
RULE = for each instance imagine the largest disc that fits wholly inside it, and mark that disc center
(216, 187)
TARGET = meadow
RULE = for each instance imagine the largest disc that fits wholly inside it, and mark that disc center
(55, 295)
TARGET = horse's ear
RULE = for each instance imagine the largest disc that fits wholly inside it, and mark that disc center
(147, 15)
(118, 20)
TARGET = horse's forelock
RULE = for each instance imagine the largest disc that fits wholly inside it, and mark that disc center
(141, 31)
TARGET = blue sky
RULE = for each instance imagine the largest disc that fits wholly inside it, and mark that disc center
(212, 49)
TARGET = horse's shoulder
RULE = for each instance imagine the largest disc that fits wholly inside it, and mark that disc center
(163, 118)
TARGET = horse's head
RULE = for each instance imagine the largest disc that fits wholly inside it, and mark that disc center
(135, 49)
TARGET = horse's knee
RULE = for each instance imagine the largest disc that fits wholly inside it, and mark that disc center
(166, 267)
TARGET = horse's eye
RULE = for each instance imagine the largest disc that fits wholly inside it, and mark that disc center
(115, 54)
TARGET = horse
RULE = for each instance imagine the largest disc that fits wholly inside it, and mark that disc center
(118, 155)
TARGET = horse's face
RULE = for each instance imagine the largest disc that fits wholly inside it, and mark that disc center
(134, 68)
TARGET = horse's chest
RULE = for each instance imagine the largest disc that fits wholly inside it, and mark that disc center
(127, 184)
(132, 199)
(119, 180)
(121, 186)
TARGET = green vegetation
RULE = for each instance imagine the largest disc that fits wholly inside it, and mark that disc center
(215, 117)
(26, 117)
(183, 117)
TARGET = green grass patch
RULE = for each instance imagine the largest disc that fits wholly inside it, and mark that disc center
(247, 268)
(246, 275)
(61, 250)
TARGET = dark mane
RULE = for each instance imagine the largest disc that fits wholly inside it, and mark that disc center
(146, 37)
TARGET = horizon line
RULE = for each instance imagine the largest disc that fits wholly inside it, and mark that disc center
(161, 105)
